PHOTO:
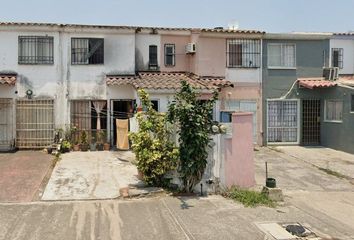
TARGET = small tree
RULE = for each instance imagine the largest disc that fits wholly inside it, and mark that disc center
(195, 122)
(155, 153)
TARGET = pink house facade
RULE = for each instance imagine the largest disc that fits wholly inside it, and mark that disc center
(234, 55)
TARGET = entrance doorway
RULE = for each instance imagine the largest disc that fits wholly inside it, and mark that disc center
(311, 122)
(120, 109)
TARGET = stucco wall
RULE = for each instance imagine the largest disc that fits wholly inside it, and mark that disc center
(348, 54)
(142, 42)
(182, 60)
(62, 81)
(210, 56)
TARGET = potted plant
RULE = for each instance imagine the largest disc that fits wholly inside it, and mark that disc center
(84, 143)
(106, 145)
(93, 144)
(76, 146)
(65, 146)
(100, 136)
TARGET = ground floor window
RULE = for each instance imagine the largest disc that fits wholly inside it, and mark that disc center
(333, 110)
(89, 115)
(283, 121)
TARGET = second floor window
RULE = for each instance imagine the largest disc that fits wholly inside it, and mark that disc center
(170, 55)
(35, 50)
(243, 53)
(153, 57)
(281, 55)
(337, 57)
(87, 51)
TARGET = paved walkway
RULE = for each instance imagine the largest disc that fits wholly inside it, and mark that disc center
(21, 174)
(90, 175)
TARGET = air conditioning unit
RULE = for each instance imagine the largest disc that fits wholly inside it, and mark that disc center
(190, 48)
(331, 73)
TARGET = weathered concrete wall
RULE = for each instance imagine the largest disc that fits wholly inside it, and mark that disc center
(142, 42)
(63, 81)
(238, 160)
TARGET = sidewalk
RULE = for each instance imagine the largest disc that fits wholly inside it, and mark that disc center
(337, 162)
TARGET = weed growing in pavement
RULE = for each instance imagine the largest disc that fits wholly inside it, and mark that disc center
(248, 198)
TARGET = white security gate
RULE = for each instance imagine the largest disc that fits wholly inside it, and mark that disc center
(283, 121)
(34, 123)
(6, 124)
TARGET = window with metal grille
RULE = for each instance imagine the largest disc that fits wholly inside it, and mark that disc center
(281, 55)
(170, 55)
(86, 117)
(243, 53)
(35, 50)
(337, 57)
(153, 57)
(333, 110)
(87, 51)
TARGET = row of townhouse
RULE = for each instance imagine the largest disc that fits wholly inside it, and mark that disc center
(52, 75)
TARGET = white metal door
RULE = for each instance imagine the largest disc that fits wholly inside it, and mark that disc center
(6, 124)
(283, 121)
(34, 123)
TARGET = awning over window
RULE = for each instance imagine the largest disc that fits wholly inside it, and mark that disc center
(312, 83)
(8, 79)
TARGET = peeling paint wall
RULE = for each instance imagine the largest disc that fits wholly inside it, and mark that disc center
(63, 81)
(143, 41)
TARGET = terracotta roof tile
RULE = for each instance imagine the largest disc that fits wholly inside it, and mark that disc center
(312, 83)
(8, 79)
(167, 81)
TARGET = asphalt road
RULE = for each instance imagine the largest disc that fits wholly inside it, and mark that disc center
(153, 218)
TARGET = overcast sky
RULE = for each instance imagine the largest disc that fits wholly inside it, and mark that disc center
(267, 15)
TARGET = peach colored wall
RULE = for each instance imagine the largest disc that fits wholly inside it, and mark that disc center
(239, 166)
(211, 56)
(245, 92)
(182, 60)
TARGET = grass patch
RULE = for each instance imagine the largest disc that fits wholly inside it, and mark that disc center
(248, 198)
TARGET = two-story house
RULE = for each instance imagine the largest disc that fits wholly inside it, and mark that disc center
(54, 74)
(304, 100)
(207, 58)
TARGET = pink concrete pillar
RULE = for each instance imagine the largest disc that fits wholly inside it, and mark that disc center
(239, 166)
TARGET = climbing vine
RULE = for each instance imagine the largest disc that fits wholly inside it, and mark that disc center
(194, 118)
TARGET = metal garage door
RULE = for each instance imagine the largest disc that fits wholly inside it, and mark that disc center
(283, 121)
(34, 123)
(6, 124)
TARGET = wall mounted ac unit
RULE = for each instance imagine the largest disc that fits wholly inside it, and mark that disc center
(331, 73)
(190, 48)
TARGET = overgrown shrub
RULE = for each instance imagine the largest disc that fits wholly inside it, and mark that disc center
(155, 153)
(194, 118)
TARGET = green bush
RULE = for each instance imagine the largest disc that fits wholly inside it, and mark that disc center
(155, 153)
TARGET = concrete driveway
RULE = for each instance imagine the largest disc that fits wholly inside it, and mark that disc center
(316, 180)
(21, 175)
(90, 175)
